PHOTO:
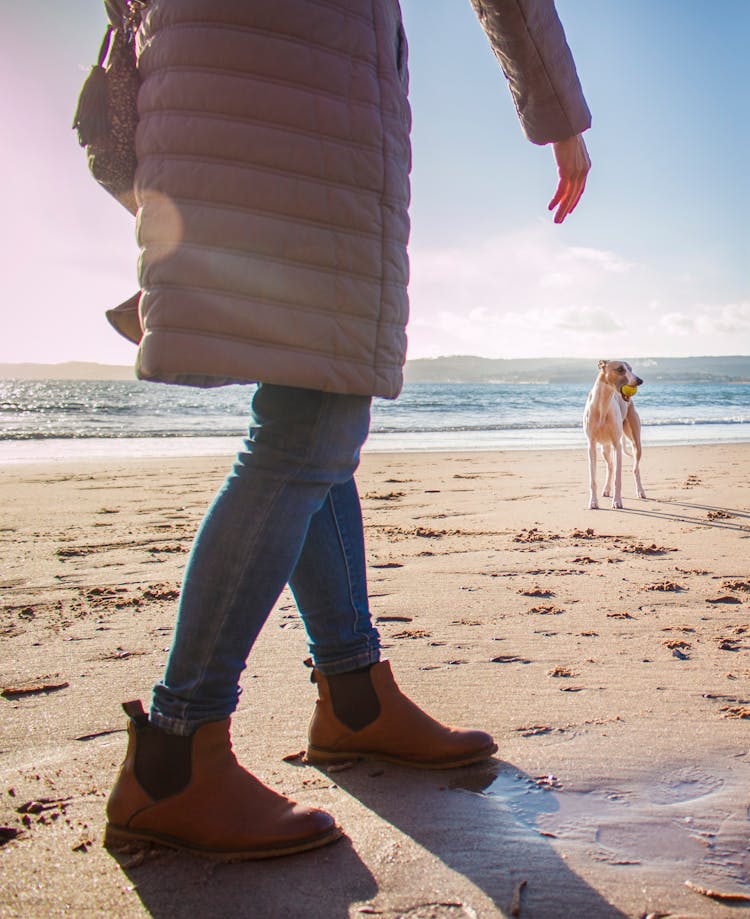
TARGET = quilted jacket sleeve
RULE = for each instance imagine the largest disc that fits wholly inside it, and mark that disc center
(528, 40)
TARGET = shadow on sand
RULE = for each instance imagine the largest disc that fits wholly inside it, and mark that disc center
(317, 884)
(494, 847)
(721, 518)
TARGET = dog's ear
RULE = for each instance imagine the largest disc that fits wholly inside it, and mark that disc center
(601, 365)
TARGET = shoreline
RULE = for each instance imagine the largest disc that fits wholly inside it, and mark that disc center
(57, 450)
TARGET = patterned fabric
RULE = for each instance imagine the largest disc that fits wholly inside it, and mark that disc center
(112, 161)
(107, 113)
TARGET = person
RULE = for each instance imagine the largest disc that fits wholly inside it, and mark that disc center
(272, 188)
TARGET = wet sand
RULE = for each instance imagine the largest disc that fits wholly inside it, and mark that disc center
(608, 651)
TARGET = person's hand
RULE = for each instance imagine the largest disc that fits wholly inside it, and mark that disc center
(573, 166)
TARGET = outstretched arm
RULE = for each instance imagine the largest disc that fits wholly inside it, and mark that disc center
(529, 42)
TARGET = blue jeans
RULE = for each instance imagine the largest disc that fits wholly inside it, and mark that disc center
(289, 512)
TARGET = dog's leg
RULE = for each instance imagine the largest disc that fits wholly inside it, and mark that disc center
(632, 429)
(637, 473)
(637, 470)
(593, 502)
(617, 492)
(608, 459)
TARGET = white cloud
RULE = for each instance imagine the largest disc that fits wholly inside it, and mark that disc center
(583, 320)
(731, 319)
(586, 319)
(606, 260)
(528, 294)
(678, 324)
(520, 293)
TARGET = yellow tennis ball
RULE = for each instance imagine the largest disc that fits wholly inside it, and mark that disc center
(629, 391)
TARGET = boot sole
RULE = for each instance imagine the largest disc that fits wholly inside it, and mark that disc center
(317, 756)
(118, 839)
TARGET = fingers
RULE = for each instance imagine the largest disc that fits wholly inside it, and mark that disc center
(566, 198)
(573, 165)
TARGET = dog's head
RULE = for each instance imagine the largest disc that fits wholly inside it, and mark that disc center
(618, 374)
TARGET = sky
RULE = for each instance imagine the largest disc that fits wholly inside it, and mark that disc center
(654, 262)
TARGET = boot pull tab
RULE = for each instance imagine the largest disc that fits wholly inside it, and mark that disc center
(134, 711)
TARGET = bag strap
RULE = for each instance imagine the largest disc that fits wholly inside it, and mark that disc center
(125, 14)
(134, 10)
(104, 50)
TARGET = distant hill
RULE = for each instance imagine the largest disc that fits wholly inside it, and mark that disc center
(463, 369)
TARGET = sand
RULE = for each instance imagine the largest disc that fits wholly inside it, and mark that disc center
(608, 652)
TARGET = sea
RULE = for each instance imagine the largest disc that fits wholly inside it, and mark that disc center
(64, 420)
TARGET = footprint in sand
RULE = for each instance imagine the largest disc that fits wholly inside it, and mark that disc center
(412, 634)
(74, 551)
(666, 587)
(534, 535)
(683, 785)
(40, 686)
(537, 592)
(120, 654)
(161, 592)
(735, 711)
(546, 611)
(534, 730)
(167, 549)
(509, 659)
(653, 549)
(729, 644)
(561, 672)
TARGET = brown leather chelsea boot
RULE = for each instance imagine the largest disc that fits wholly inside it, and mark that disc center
(397, 731)
(191, 793)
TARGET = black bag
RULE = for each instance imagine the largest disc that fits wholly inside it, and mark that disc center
(107, 113)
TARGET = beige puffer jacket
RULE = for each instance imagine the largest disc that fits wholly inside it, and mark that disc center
(273, 158)
(273, 161)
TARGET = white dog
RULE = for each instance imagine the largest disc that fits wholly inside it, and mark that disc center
(610, 419)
